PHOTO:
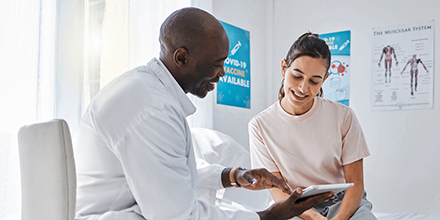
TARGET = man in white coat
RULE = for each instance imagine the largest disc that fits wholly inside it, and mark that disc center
(133, 150)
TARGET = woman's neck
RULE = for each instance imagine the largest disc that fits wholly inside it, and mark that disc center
(296, 110)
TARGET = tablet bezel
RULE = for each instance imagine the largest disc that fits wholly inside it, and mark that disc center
(319, 189)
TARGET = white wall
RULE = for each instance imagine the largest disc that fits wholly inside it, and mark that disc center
(402, 175)
(256, 17)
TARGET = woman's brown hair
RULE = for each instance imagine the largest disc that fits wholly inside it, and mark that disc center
(311, 45)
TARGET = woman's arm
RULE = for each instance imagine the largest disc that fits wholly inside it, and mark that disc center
(354, 173)
(279, 195)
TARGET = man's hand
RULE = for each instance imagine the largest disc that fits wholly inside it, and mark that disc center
(258, 179)
(290, 208)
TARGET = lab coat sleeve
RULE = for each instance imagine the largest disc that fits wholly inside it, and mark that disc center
(157, 163)
(209, 187)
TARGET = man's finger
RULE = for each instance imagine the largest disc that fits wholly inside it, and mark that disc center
(281, 184)
(250, 179)
(315, 200)
(295, 195)
(285, 188)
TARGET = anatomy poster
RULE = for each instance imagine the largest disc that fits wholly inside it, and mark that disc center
(234, 88)
(403, 67)
(337, 85)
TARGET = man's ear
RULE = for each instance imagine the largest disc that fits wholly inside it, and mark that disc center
(180, 57)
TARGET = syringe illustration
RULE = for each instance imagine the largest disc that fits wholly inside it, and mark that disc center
(236, 47)
(344, 45)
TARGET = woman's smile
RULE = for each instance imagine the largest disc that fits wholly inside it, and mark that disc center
(298, 96)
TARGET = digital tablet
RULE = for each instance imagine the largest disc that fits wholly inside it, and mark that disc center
(318, 189)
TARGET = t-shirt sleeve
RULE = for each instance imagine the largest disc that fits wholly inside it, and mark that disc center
(260, 157)
(354, 146)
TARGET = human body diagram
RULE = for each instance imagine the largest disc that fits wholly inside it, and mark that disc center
(388, 51)
(414, 71)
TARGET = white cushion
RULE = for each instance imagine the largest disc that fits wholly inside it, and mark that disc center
(48, 178)
(218, 148)
(215, 147)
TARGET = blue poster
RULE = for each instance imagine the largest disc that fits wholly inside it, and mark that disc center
(234, 89)
(337, 85)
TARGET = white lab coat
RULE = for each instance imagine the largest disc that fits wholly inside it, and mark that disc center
(134, 154)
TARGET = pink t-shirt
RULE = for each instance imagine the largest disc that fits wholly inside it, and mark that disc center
(307, 149)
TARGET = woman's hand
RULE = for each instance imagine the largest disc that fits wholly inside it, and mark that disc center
(312, 215)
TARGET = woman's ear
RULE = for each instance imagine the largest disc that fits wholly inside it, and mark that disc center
(283, 67)
(180, 57)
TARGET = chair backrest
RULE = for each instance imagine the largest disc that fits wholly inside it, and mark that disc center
(48, 176)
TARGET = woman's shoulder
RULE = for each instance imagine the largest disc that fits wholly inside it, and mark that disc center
(330, 104)
(337, 110)
(269, 112)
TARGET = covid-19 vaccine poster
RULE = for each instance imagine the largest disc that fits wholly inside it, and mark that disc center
(337, 85)
(234, 89)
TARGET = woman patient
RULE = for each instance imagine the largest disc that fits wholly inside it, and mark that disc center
(307, 140)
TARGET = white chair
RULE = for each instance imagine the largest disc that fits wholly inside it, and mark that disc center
(48, 177)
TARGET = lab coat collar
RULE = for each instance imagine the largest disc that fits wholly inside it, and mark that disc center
(172, 86)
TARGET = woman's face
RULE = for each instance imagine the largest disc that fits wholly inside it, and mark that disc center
(302, 82)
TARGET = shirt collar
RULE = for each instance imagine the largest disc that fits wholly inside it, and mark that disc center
(172, 86)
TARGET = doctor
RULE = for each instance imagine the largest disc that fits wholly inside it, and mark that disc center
(133, 150)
